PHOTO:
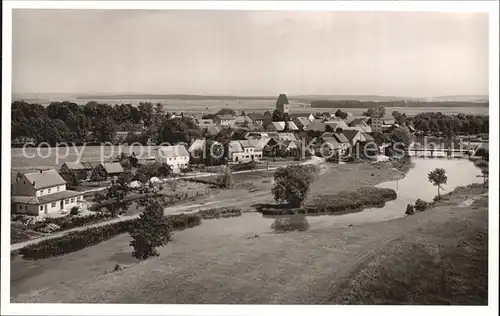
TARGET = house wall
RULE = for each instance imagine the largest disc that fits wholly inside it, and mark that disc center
(176, 163)
(29, 209)
(49, 190)
(24, 187)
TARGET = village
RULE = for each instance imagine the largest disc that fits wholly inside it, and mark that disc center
(252, 141)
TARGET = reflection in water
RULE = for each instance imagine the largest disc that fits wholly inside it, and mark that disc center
(290, 223)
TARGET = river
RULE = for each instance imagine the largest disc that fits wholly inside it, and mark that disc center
(414, 185)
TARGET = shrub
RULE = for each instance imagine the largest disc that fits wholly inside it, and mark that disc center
(244, 166)
(421, 205)
(337, 203)
(150, 231)
(290, 223)
(74, 211)
(410, 209)
(220, 213)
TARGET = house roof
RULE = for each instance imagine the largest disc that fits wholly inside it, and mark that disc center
(75, 165)
(235, 146)
(24, 199)
(282, 99)
(389, 121)
(340, 137)
(58, 196)
(350, 133)
(316, 126)
(291, 126)
(302, 120)
(261, 143)
(279, 126)
(172, 151)
(326, 134)
(256, 135)
(359, 120)
(44, 179)
(198, 144)
(112, 167)
(247, 144)
(334, 144)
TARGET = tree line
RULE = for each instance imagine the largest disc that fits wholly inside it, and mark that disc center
(98, 122)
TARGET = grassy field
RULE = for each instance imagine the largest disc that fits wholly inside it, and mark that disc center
(395, 262)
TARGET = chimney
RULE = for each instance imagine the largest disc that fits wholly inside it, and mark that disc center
(33, 183)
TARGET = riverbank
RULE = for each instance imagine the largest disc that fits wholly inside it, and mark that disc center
(217, 263)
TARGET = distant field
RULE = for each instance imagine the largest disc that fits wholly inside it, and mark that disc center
(204, 106)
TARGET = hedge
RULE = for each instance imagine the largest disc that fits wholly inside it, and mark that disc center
(244, 166)
(343, 202)
(220, 213)
(78, 240)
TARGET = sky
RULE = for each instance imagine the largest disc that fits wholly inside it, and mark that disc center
(419, 54)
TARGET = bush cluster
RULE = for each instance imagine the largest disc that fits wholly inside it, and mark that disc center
(339, 203)
(244, 166)
(420, 206)
(220, 212)
(78, 240)
(290, 223)
(69, 222)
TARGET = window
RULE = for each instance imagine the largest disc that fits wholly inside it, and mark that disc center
(72, 200)
(66, 201)
(41, 192)
(53, 205)
(48, 190)
(57, 188)
(41, 207)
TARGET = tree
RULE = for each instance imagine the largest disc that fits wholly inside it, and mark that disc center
(292, 183)
(438, 177)
(341, 114)
(104, 130)
(150, 231)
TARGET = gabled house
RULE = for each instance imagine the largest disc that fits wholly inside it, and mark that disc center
(107, 171)
(84, 170)
(177, 157)
(42, 193)
(236, 152)
(259, 118)
(353, 136)
(302, 122)
(250, 150)
(242, 119)
(375, 123)
(291, 126)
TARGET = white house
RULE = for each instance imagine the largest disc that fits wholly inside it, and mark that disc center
(224, 120)
(252, 152)
(43, 192)
(177, 157)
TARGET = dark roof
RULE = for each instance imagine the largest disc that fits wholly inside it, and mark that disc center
(350, 134)
(316, 126)
(58, 196)
(112, 167)
(359, 120)
(340, 137)
(44, 179)
(282, 99)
